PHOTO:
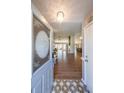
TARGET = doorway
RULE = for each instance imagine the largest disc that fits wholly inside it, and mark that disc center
(88, 56)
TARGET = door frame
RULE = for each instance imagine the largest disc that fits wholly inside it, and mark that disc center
(84, 78)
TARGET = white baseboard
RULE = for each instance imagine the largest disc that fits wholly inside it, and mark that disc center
(85, 86)
(83, 81)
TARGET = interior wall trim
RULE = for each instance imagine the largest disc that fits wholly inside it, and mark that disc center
(85, 86)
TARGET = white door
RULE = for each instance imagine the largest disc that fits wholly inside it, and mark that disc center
(88, 56)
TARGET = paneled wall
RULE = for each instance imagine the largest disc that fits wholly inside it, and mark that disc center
(42, 79)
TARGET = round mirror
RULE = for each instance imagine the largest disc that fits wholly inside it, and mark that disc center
(42, 44)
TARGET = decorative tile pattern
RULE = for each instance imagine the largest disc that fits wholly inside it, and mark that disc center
(68, 86)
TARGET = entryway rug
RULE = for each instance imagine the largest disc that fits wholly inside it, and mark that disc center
(68, 86)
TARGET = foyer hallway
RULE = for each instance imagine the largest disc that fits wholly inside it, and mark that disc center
(59, 25)
(68, 66)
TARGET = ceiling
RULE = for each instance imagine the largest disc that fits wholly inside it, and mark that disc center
(74, 14)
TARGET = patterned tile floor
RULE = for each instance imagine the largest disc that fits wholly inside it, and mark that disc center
(68, 86)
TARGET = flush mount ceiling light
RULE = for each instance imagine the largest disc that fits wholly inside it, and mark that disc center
(60, 16)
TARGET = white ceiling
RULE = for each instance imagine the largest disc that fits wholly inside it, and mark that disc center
(74, 13)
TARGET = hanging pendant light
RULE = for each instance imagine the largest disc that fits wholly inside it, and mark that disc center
(60, 16)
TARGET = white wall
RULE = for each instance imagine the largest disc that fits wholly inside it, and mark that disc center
(77, 40)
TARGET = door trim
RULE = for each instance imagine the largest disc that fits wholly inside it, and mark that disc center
(83, 57)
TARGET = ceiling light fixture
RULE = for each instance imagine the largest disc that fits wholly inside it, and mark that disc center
(81, 38)
(60, 16)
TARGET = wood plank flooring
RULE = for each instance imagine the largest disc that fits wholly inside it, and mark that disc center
(68, 66)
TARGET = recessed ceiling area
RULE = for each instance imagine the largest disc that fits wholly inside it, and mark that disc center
(74, 14)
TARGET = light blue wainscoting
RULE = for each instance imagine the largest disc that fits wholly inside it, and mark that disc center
(42, 78)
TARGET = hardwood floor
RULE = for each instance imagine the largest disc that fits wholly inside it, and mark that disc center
(68, 66)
